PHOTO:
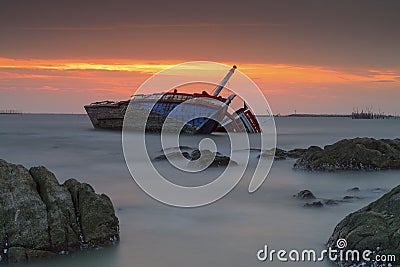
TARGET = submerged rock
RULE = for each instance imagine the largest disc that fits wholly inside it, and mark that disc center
(296, 153)
(315, 204)
(305, 194)
(354, 189)
(40, 218)
(172, 155)
(374, 227)
(199, 158)
(281, 154)
(350, 197)
(331, 202)
(352, 154)
(206, 158)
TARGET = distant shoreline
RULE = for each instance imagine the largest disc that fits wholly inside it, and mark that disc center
(351, 116)
(316, 115)
(309, 115)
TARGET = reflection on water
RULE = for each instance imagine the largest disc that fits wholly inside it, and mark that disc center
(226, 233)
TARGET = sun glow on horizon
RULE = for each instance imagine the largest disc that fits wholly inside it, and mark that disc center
(86, 80)
(271, 72)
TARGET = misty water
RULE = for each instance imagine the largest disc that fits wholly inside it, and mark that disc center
(227, 233)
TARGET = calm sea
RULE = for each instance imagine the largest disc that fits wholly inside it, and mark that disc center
(226, 233)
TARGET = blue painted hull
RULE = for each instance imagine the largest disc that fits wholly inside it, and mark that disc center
(195, 115)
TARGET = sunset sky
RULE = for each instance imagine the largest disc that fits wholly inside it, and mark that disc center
(308, 56)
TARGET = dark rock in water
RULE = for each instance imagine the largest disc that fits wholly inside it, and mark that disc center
(40, 218)
(378, 190)
(267, 153)
(195, 155)
(352, 154)
(315, 204)
(21, 254)
(203, 158)
(98, 223)
(176, 148)
(374, 227)
(350, 197)
(354, 189)
(173, 155)
(305, 194)
(200, 159)
(61, 216)
(296, 153)
(280, 154)
(331, 202)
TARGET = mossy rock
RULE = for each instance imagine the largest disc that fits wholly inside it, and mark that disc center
(375, 227)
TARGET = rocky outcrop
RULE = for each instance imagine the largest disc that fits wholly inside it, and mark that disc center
(305, 194)
(61, 217)
(352, 154)
(39, 218)
(314, 204)
(199, 158)
(173, 155)
(296, 153)
(375, 227)
(280, 154)
(95, 213)
(310, 200)
(204, 158)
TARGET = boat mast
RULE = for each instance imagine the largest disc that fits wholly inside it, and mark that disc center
(224, 81)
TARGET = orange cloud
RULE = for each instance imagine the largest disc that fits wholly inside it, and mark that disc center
(108, 64)
(303, 86)
(267, 72)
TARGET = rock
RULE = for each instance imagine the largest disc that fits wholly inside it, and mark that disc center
(352, 154)
(98, 223)
(173, 149)
(204, 158)
(61, 218)
(173, 155)
(267, 153)
(374, 226)
(315, 204)
(378, 190)
(195, 155)
(40, 218)
(305, 194)
(23, 215)
(354, 189)
(200, 159)
(296, 153)
(280, 154)
(350, 197)
(21, 254)
(331, 202)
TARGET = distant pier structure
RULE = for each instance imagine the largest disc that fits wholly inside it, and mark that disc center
(368, 114)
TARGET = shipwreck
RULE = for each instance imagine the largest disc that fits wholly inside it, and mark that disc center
(203, 113)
